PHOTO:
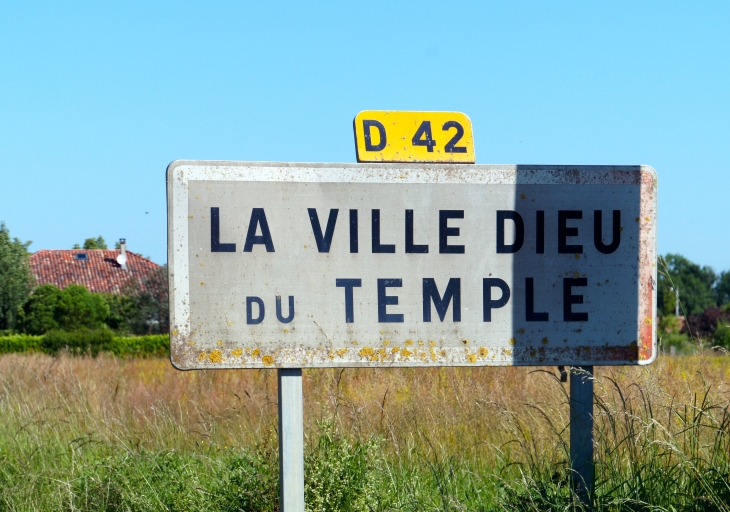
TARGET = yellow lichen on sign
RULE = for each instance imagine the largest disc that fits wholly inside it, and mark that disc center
(401, 136)
(216, 356)
(365, 352)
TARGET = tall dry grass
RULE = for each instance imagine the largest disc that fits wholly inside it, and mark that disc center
(135, 434)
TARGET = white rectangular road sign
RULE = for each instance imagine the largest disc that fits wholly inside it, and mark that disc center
(319, 265)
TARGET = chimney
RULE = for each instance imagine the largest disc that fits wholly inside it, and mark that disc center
(122, 258)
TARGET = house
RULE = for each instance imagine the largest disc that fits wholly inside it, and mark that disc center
(99, 270)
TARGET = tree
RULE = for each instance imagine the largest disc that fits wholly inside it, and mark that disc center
(121, 309)
(150, 298)
(92, 243)
(722, 289)
(15, 277)
(696, 292)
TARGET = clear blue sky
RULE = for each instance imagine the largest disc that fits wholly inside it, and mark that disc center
(96, 98)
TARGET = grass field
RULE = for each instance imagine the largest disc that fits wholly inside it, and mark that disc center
(110, 433)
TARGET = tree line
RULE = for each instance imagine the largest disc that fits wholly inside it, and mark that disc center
(142, 307)
(25, 307)
(703, 307)
(700, 287)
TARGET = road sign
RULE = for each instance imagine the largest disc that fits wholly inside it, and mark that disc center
(400, 136)
(323, 265)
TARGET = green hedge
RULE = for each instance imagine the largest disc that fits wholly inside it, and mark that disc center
(149, 345)
(87, 342)
(20, 343)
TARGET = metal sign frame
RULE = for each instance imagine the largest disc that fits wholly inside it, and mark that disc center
(191, 352)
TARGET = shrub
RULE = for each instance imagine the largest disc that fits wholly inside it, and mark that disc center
(78, 308)
(722, 334)
(669, 323)
(341, 474)
(704, 325)
(679, 341)
(70, 309)
(38, 314)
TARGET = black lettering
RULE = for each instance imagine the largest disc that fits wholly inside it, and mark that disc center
(431, 294)
(250, 301)
(530, 314)
(411, 248)
(564, 231)
(369, 146)
(445, 231)
(291, 310)
(451, 146)
(488, 304)
(353, 231)
(323, 242)
(258, 218)
(377, 246)
(424, 131)
(569, 299)
(540, 234)
(388, 300)
(502, 247)
(348, 285)
(598, 232)
(215, 233)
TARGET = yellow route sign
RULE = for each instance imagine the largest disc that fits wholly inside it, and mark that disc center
(400, 136)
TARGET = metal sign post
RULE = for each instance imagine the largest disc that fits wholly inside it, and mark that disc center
(291, 440)
(581, 433)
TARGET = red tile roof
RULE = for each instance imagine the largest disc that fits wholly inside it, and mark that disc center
(100, 273)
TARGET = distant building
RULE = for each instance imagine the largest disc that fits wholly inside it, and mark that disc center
(99, 270)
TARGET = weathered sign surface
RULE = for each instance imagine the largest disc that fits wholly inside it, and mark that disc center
(404, 136)
(317, 265)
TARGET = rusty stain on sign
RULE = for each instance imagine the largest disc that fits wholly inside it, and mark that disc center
(322, 265)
